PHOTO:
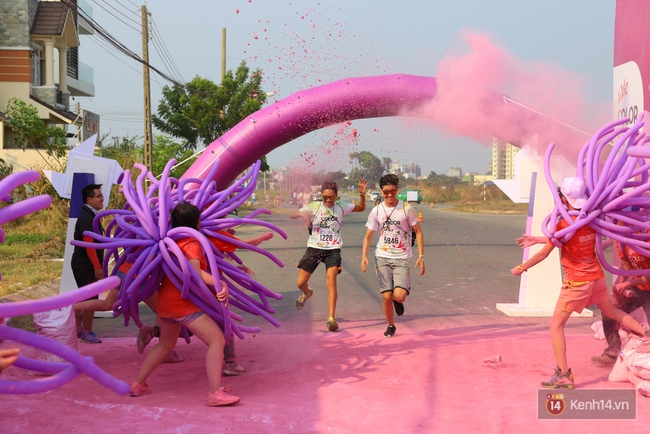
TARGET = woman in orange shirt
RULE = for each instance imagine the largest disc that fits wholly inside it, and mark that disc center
(175, 312)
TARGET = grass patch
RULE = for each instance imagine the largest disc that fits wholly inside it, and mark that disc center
(22, 273)
(492, 207)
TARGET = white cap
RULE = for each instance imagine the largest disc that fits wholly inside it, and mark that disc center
(574, 190)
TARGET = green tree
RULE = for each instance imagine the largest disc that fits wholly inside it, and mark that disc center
(201, 111)
(6, 169)
(164, 149)
(31, 132)
(367, 165)
(338, 177)
(387, 161)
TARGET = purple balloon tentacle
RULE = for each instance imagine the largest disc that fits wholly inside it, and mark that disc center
(24, 207)
(79, 362)
(44, 366)
(12, 309)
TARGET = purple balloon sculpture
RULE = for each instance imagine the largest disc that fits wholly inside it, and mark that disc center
(140, 234)
(613, 167)
(63, 372)
(309, 110)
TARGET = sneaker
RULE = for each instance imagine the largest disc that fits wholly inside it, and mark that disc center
(300, 303)
(145, 335)
(603, 360)
(221, 397)
(332, 325)
(138, 389)
(399, 308)
(233, 370)
(390, 331)
(90, 338)
(559, 380)
(173, 357)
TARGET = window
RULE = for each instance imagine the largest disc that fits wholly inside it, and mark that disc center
(38, 66)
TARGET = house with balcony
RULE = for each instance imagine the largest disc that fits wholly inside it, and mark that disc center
(40, 64)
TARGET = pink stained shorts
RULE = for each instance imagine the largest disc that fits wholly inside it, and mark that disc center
(575, 296)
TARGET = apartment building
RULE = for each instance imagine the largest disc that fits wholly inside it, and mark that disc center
(40, 64)
(503, 159)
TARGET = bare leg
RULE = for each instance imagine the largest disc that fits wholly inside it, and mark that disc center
(387, 305)
(332, 293)
(209, 332)
(87, 321)
(168, 337)
(303, 281)
(399, 294)
(557, 337)
(97, 304)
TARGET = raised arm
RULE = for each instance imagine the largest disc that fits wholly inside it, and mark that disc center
(530, 240)
(361, 205)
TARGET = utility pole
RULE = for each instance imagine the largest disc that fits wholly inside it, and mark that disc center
(148, 142)
(223, 53)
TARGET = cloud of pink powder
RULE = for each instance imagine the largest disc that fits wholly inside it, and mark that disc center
(541, 99)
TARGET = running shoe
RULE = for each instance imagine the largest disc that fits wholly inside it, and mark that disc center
(145, 335)
(399, 308)
(332, 325)
(138, 389)
(300, 303)
(390, 331)
(233, 370)
(221, 397)
(559, 380)
(90, 338)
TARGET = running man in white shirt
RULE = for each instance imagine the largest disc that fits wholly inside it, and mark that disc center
(324, 243)
(397, 222)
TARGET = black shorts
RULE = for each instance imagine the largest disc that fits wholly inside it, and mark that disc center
(313, 257)
(83, 278)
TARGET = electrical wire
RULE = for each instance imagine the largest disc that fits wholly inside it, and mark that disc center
(121, 13)
(158, 35)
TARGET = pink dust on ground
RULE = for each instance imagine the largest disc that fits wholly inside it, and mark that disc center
(303, 379)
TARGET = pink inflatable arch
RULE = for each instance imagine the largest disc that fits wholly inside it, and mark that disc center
(306, 111)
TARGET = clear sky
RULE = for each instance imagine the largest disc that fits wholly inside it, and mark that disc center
(304, 43)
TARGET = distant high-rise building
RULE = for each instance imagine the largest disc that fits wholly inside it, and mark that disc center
(503, 159)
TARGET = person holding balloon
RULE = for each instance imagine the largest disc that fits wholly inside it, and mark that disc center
(584, 282)
(628, 294)
(231, 367)
(175, 311)
(7, 357)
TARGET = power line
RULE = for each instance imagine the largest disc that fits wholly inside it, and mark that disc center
(117, 44)
(157, 35)
(118, 18)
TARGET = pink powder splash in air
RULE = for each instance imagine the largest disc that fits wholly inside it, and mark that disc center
(541, 99)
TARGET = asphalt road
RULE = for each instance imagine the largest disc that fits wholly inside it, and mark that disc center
(468, 259)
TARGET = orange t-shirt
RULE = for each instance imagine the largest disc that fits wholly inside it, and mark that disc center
(637, 261)
(170, 303)
(578, 255)
(224, 246)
